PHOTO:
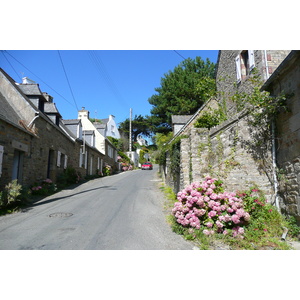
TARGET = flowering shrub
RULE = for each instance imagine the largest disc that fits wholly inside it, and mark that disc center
(207, 207)
(125, 162)
(107, 170)
(254, 202)
(44, 188)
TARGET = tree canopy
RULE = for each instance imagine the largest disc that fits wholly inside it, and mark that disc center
(140, 125)
(182, 92)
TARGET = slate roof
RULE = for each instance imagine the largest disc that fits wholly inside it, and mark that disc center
(105, 121)
(71, 121)
(88, 132)
(51, 108)
(7, 113)
(30, 89)
(180, 119)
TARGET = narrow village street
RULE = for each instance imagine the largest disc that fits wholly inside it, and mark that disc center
(119, 212)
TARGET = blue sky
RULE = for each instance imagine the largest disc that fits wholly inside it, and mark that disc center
(103, 81)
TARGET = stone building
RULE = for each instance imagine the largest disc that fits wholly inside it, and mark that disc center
(286, 79)
(35, 144)
(236, 152)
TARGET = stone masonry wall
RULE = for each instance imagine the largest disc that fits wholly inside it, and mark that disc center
(288, 139)
(234, 151)
(35, 151)
(226, 152)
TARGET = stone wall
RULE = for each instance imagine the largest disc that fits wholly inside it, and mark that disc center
(265, 64)
(42, 150)
(288, 135)
(227, 152)
(35, 150)
(234, 151)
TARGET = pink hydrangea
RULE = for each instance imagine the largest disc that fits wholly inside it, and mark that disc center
(201, 204)
(235, 219)
(212, 214)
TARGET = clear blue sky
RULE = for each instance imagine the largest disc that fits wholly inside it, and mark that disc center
(103, 81)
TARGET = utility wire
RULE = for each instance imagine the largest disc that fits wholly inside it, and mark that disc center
(179, 54)
(39, 78)
(2, 51)
(105, 75)
(67, 79)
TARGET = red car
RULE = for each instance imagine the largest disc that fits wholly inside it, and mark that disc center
(147, 166)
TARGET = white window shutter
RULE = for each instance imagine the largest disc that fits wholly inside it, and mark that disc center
(251, 59)
(238, 68)
(66, 162)
(58, 158)
(80, 158)
(85, 160)
(1, 158)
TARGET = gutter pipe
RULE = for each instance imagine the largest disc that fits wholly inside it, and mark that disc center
(274, 166)
(37, 114)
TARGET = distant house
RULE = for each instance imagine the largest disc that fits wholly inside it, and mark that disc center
(178, 121)
(95, 135)
(108, 127)
(141, 141)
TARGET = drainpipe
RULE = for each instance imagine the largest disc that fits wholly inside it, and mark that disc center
(266, 64)
(274, 166)
(37, 114)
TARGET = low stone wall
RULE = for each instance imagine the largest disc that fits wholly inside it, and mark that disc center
(227, 152)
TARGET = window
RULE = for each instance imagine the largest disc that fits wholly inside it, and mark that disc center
(66, 162)
(112, 129)
(244, 64)
(17, 172)
(1, 158)
(58, 158)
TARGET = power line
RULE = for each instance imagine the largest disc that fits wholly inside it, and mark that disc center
(67, 79)
(39, 78)
(179, 54)
(105, 75)
(2, 51)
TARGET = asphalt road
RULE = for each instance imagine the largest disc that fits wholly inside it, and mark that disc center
(119, 212)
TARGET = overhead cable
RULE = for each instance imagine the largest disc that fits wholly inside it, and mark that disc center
(39, 78)
(179, 54)
(67, 79)
(97, 61)
(3, 52)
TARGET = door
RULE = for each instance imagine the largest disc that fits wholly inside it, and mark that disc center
(17, 172)
(50, 163)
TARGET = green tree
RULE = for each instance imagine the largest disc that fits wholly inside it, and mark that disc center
(182, 92)
(140, 125)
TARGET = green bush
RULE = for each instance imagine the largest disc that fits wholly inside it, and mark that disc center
(68, 177)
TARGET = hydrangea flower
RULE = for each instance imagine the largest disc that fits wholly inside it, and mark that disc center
(206, 204)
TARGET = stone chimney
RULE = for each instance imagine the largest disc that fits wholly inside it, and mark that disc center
(48, 97)
(83, 113)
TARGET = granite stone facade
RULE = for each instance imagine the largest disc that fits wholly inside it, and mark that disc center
(235, 151)
(35, 146)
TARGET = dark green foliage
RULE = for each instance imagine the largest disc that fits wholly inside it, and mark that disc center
(69, 176)
(210, 119)
(182, 92)
(140, 125)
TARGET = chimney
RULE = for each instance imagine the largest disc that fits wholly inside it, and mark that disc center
(48, 97)
(83, 113)
(26, 80)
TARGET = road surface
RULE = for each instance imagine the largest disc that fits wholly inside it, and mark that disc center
(119, 212)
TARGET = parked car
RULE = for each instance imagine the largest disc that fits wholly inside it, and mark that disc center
(147, 166)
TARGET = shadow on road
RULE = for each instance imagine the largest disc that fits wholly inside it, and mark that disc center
(42, 202)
